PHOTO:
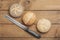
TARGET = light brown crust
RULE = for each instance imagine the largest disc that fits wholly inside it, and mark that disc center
(29, 18)
(43, 25)
(16, 10)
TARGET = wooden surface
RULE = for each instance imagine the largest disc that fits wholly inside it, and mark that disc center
(49, 9)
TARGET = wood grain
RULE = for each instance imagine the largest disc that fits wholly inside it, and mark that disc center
(53, 16)
(58, 32)
(49, 9)
(15, 31)
(45, 5)
(29, 39)
(0, 30)
(5, 4)
(32, 5)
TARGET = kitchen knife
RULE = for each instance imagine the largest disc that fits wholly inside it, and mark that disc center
(23, 27)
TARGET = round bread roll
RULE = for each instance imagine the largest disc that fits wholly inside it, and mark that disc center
(29, 18)
(16, 10)
(43, 25)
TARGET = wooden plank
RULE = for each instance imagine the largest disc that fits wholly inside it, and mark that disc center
(15, 31)
(45, 5)
(0, 30)
(53, 16)
(30, 39)
(58, 39)
(58, 32)
(33, 5)
(4, 4)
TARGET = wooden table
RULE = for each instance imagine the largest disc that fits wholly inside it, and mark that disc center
(49, 9)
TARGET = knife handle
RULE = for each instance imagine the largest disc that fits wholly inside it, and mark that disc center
(33, 33)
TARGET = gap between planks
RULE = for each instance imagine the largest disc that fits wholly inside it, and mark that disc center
(29, 38)
(33, 10)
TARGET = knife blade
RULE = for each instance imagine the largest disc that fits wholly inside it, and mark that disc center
(23, 26)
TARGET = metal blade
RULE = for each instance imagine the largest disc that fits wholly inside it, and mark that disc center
(16, 22)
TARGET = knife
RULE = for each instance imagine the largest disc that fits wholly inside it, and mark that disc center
(23, 27)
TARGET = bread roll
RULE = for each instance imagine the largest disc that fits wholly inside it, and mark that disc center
(43, 25)
(29, 18)
(16, 10)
